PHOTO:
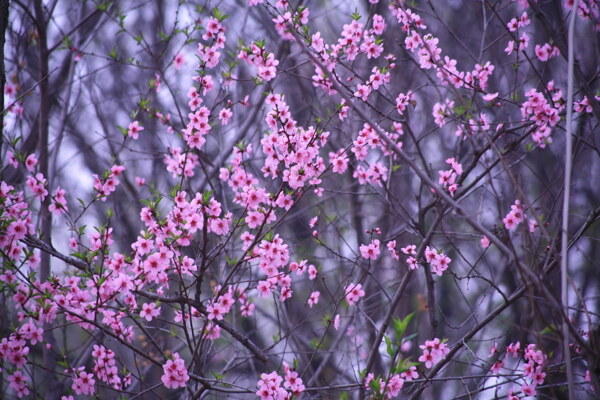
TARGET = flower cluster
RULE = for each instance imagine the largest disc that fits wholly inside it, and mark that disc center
(448, 177)
(389, 387)
(59, 203)
(438, 261)
(15, 212)
(434, 351)
(515, 216)
(215, 33)
(273, 256)
(14, 350)
(221, 306)
(283, 20)
(108, 183)
(269, 385)
(174, 373)
(180, 162)
(441, 111)
(265, 62)
(583, 105)
(370, 251)
(18, 382)
(532, 371)
(546, 51)
(292, 151)
(542, 113)
(83, 382)
(105, 367)
(37, 185)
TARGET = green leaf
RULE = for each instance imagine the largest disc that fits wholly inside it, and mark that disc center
(241, 145)
(219, 15)
(206, 196)
(548, 330)
(400, 326)
(104, 6)
(257, 81)
(389, 347)
(175, 189)
(15, 141)
(67, 42)
(355, 15)
(81, 256)
(230, 261)
(374, 385)
(529, 147)
(269, 236)
(404, 365)
(146, 202)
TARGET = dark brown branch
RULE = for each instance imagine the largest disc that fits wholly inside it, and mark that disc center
(49, 249)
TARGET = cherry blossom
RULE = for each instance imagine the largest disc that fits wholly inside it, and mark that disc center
(175, 374)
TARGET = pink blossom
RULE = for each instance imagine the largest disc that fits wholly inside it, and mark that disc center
(515, 216)
(269, 387)
(178, 61)
(410, 374)
(83, 383)
(149, 311)
(485, 242)
(175, 374)
(30, 162)
(225, 115)
(18, 382)
(134, 129)
(370, 251)
(497, 366)
(313, 299)
(354, 293)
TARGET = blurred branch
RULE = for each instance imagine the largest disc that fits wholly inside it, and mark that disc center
(3, 26)
(564, 262)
